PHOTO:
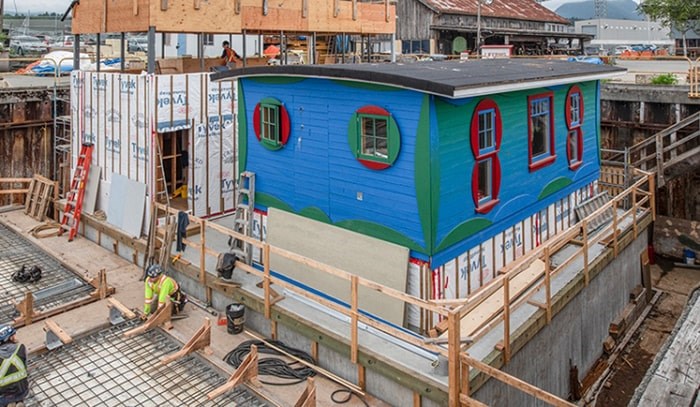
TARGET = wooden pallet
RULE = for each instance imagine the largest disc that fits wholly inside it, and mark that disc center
(38, 197)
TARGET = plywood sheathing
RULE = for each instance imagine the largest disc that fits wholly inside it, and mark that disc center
(221, 16)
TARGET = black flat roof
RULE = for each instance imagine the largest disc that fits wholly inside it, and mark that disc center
(453, 79)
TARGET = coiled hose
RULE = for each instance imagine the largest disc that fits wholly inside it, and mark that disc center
(294, 371)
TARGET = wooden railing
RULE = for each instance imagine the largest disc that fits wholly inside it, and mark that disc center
(667, 148)
(453, 310)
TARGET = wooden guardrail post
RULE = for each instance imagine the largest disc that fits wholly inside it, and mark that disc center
(354, 317)
(453, 360)
(614, 211)
(266, 280)
(506, 319)
(202, 252)
(548, 283)
(586, 276)
(634, 212)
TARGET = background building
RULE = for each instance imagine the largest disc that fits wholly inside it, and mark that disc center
(609, 33)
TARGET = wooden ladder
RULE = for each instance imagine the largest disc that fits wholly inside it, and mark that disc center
(74, 197)
(243, 219)
(161, 186)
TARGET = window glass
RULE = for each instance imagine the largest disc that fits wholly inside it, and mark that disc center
(539, 115)
(374, 136)
(484, 189)
(486, 131)
(270, 123)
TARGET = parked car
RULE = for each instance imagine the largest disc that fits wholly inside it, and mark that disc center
(27, 45)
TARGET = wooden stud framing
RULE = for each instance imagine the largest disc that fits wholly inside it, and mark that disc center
(353, 316)
(614, 236)
(304, 8)
(247, 371)
(161, 317)
(336, 8)
(197, 4)
(308, 397)
(50, 325)
(163, 5)
(354, 10)
(200, 340)
(202, 252)
(387, 13)
(135, 7)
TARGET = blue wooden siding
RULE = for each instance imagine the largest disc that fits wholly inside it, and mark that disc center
(316, 169)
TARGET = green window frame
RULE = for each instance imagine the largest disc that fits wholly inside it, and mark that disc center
(270, 123)
(373, 137)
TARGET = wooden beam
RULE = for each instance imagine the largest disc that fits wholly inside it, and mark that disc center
(26, 309)
(114, 303)
(50, 325)
(308, 397)
(200, 340)
(161, 317)
(453, 364)
(247, 371)
(102, 290)
(353, 316)
(515, 382)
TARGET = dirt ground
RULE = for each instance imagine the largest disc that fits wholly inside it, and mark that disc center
(675, 283)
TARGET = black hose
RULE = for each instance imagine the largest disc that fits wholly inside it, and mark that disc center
(296, 372)
(344, 400)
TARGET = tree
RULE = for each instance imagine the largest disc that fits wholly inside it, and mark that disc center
(679, 15)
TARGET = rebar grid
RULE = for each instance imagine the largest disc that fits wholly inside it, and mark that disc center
(106, 369)
(15, 252)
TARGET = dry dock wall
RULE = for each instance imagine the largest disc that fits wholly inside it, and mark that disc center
(576, 333)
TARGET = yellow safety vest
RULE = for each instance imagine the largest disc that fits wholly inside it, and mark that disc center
(16, 361)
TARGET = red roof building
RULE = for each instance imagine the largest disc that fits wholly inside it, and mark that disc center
(453, 26)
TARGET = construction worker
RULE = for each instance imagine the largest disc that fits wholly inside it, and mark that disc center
(161, 287)
(14, 385)
(229, 57)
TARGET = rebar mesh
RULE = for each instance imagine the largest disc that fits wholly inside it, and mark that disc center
(16, 251)
(107, 369)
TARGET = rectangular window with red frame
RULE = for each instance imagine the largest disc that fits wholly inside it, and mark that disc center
(541, 131)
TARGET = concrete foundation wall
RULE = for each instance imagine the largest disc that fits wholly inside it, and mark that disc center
(576, 333)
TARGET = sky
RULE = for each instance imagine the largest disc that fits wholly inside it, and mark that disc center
(36, 6)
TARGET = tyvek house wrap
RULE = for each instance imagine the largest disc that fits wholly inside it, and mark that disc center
(122, 114)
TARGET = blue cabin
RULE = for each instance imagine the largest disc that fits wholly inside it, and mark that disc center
(437, 157)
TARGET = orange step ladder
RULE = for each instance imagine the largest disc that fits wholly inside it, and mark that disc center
(74, 197)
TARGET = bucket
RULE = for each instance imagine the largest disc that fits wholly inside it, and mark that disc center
(235, 317)
(689, 256)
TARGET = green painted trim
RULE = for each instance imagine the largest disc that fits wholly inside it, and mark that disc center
(315, 213)
(422, 177)
(366, 86)
(276, 80)
(554, 186)
(272, 201)
(380, 232)
(242, 131)
(392, 134)
(464, 230)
